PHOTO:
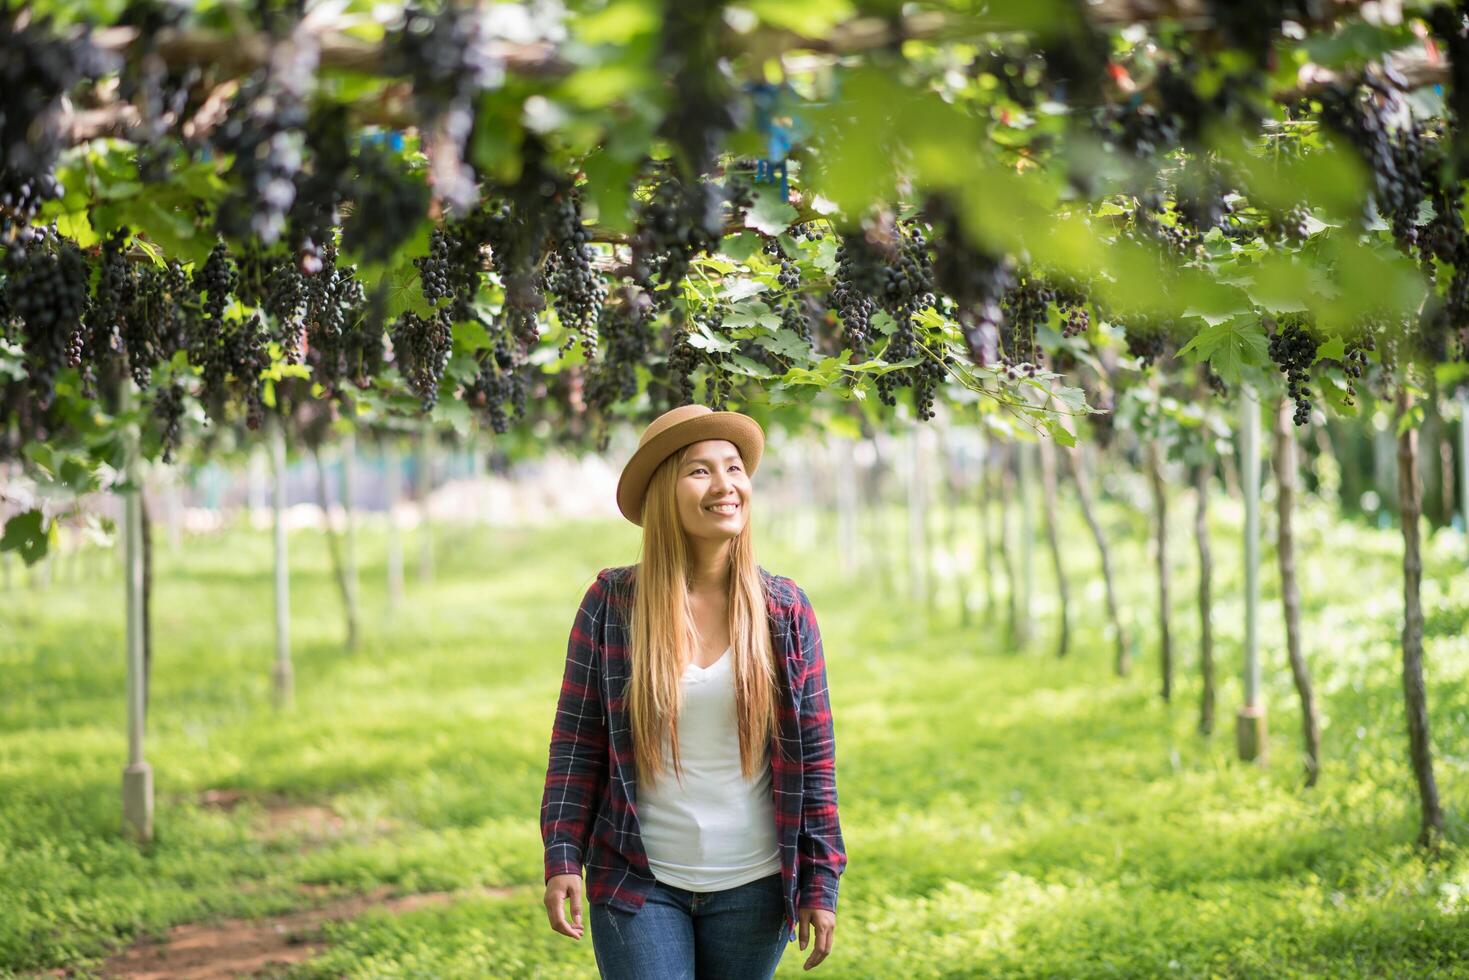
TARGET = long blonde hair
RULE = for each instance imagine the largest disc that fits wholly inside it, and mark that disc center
(662, 631)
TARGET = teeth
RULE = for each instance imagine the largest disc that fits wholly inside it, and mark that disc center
(724, 508)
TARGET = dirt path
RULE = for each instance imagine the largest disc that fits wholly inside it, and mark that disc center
(229, 948)
(245, 947)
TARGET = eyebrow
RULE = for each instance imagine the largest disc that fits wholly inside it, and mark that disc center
(701, 459)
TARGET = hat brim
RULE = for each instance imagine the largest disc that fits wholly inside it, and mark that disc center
(740, 429)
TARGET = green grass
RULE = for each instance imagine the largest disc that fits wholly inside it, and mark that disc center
(1005, 813)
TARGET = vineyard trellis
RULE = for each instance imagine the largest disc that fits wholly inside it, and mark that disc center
(537, 219)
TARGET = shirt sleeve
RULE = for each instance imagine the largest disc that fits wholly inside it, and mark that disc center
(819, 844)
(576, 772)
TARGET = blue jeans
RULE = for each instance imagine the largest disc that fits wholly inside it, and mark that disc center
(735, 934)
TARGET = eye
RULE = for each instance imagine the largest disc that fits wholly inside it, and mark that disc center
(735, 466)
(696, 469)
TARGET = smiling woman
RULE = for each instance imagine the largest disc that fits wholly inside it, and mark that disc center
(697, 665)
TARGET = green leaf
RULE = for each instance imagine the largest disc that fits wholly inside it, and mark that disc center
(1062, 436)
(471, 335)
(787, 343)
(771, 214)
(740, 246)
(812, 18)
(742, 364)
(28, 534)
(1334, 349)
(1229, 346)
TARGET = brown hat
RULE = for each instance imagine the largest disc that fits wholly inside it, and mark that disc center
(672, 431)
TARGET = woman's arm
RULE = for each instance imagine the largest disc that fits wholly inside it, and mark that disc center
(577, 768)
(823, 854)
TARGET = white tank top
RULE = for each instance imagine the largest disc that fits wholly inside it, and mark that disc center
(716, 830)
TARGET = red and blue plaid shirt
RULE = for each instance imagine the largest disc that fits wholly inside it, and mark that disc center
(589, 808)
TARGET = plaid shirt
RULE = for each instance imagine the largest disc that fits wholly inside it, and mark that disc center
(589, 809)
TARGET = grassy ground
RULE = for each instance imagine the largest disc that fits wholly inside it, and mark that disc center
(1005, 813)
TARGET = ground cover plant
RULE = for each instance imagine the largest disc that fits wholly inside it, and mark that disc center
(1008, 813)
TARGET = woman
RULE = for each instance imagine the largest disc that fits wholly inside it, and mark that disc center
(692, 764)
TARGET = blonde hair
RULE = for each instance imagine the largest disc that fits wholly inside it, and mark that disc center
(662, 631)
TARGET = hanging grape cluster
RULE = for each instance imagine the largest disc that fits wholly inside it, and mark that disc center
(421, 347)
(46, 291)
(1293, 349)
(38, 67)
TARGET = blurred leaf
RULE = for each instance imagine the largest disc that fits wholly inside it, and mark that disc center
(812, 18)
(771, 213)
(28, 534)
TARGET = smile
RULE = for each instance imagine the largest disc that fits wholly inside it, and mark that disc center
(724, 508)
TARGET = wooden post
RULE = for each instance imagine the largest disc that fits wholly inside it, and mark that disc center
(283, 675)
(1251, 729)
(1415, 697)
(1286, 477)
(137, 777)
(1160, 515)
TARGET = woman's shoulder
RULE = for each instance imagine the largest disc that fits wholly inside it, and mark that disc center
(783, 591)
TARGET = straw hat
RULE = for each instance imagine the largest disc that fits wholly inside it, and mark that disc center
(672, 431)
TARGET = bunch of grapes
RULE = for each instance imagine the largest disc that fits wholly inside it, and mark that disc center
(46, 290)
(1026, 306)
(159, 91)
(1293, 349)
(388, 204)
(38, 67)
(576, 288)
(168, 409)
(1397, 160)
(683, 360)
(1076, 320)
(973, 277)
(679, 221)
(623, 341)
(498, 381)
(343, 326)
(421, 347)
(226, 350)
(445, 51)
(1147, 338)
(690, 56)
(1290, 226)
(795, 318)
(101, 333)
(235, 351)
(264, 133)
(907, 286)
(1139, 129)
(323, 182)
(451, 272)
(859, 277)
(1354, 358)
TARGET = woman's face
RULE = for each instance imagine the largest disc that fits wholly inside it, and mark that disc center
(711, 473)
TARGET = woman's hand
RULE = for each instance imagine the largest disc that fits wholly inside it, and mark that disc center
(558, 889)
(825, 924)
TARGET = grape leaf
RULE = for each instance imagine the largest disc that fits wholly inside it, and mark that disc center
(28, 534)
(771, 214)
(1229, 346)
